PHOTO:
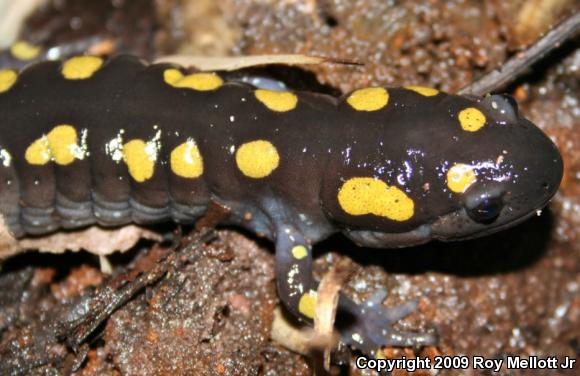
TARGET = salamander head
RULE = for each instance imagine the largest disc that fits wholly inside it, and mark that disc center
(511, 188)
(450, 169)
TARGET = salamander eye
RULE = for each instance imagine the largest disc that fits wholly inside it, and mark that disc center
(485, 208)
(511, 101)
(484, 202)
(504, 106)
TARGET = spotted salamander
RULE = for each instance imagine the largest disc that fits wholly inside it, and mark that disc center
(85, 142)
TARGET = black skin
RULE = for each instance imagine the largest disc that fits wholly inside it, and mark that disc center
(409, 144)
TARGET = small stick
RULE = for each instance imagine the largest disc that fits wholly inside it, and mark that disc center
(514, 67)
(108, 298)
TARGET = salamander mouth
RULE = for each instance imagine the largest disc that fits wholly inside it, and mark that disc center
(458, 226)
(455, 226)
(378, 239)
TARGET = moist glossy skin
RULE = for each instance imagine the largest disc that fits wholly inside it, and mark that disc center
(85, 142)
(505, 170)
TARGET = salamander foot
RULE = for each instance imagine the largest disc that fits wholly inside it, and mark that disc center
(369, 326)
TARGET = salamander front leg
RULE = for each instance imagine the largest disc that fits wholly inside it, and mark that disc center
(366, 326)
(296, 286)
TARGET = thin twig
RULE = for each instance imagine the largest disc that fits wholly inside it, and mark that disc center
(515, 66)
(108, 299)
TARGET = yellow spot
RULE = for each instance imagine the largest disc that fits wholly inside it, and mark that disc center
(379, 354)
(138, 160)
(24, 51)
(7, 79)
(59, 145)
(363, 195)
(425, 91)
(257, 159)
(369, 99)
(62, 141)
(195, 81)
(186, 161)
(460, 177)
(299, 252)
(471, 119)
(38, 153)
(172, 76)
(280, 101)
(81, 67)
(307, 304)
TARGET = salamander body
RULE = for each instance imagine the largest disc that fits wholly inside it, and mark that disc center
(86, 142)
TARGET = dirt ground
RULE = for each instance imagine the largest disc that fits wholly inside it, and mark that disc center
(513, 293)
